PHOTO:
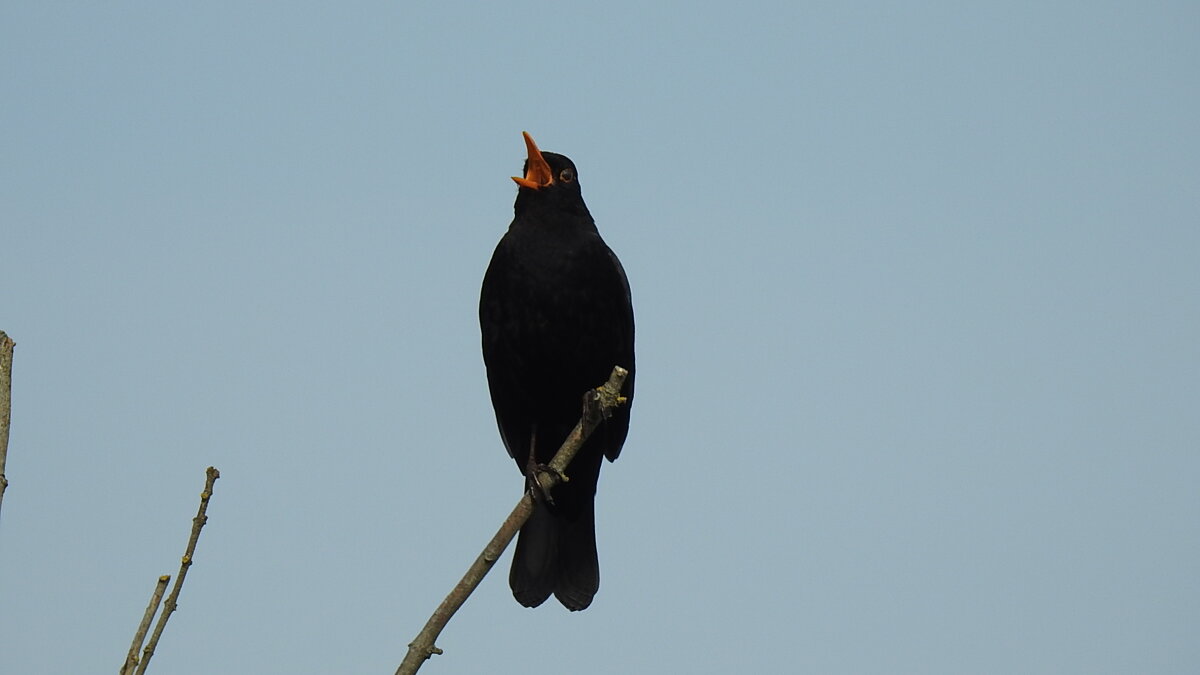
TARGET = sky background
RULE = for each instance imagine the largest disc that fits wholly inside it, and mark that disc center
(918, 305)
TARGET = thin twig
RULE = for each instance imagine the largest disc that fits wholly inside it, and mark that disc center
(131, 659)
(597, 405)
(169, 606)
(6, 361)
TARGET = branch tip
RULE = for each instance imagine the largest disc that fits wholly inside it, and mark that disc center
(597, 405)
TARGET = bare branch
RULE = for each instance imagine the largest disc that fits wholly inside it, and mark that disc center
(170, 604)
(598, 404)
(6, 361)
(131, 659)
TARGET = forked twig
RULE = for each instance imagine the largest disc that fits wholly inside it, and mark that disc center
(169, 605)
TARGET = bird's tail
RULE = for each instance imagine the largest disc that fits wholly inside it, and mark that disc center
(556, 554)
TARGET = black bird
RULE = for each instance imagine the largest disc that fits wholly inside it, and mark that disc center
(556, 316)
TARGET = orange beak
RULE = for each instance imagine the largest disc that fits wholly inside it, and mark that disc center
(537, 171)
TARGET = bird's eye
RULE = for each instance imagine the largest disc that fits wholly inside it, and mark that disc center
(566, 175)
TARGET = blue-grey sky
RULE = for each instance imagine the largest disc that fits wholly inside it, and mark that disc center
(918, 303)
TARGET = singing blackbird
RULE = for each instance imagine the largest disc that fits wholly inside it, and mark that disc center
(556, 316)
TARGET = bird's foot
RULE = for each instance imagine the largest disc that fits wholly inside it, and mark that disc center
(538, 474)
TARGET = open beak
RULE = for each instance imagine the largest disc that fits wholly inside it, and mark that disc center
(537, 171)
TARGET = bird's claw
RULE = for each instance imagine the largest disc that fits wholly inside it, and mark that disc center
(539, 490)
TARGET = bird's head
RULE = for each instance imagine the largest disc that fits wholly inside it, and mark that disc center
(548, 176)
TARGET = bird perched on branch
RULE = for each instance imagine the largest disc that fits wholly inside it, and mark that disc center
(556, 316)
